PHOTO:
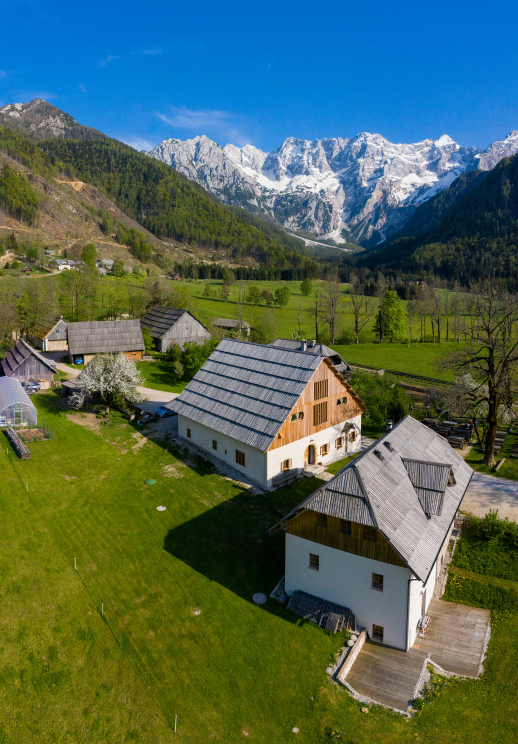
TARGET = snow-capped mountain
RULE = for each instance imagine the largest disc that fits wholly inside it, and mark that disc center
(363, 188)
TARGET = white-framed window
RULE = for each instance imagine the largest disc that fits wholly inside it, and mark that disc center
(240, 458)
(314, 561)
(214, 444)
(188, 433)
(377, 582)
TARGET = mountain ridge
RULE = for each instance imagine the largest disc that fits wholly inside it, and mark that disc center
(363, 188)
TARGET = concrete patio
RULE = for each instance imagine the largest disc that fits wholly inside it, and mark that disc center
(455, 641)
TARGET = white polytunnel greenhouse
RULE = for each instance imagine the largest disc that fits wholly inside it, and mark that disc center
(16, 408)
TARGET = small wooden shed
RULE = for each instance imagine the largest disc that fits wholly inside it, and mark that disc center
(170, 325)
(28, 365)
(50, 335)
(86, 339)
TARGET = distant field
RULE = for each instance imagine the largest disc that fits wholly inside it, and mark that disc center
(413, 359)
(180, 635)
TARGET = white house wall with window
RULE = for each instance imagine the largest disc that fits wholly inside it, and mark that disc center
(373, 538)
(269, 411)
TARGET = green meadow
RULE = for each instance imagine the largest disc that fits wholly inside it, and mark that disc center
(157, 623)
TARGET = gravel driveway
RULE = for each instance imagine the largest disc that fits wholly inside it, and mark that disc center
(487, 492)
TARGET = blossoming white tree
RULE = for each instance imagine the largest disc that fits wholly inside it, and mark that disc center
(113, 378)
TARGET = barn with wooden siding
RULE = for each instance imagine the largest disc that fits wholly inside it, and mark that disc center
(86, 339)
(50, 335)
(28, 365)
(373, 538)
(169, 325)
(270, 413)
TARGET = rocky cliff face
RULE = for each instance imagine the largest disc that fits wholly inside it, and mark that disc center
(42, 120)
(363, 189)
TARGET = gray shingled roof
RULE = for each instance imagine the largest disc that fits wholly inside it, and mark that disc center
(159, 319)
(312, 348)
(382, 489)
(104, 336)
(246, 390)
(15, 357)
(44, 326)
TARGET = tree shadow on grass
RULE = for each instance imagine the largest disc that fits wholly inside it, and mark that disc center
(227, 543)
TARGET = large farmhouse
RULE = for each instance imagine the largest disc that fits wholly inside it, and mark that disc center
(373, 539)
(86, 339)
(27, 365)
(169, 325)
(269, 411)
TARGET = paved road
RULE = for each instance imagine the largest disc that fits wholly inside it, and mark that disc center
(157, 396)
(487, 492)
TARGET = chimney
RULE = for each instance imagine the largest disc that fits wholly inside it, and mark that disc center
(389, 425)
(303, 345)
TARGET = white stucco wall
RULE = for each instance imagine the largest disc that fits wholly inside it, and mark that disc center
(346, 579)
(262, 467)
(202, 436)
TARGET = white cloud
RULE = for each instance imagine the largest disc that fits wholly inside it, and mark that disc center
(138, 143)
(109, 58)
(82, 87)
(213, 123)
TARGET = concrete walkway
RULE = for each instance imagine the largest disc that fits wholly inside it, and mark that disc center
(487, 492)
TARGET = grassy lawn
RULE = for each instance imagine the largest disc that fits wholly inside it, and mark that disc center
(510, 467)
(335, 467)
(180, 634)
(157, 376)
(413, 359)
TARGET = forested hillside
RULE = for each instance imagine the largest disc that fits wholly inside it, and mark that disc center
(476, 235)
(169, 205)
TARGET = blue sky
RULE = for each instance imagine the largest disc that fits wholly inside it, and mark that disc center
(259, 72)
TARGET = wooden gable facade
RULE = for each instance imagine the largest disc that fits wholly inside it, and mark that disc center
(327, 400)
(341, 534)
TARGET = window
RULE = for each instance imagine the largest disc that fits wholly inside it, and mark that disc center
(377, 632)
(345, 526)
(377, 582)
(319, 413)
(188, 433)
(314, 561)
(297, 416)
(240, 458)
(286, 465)
(339, 443)
(324, 449)
(321, 520)
(369, 533)
(214, 444)
(341, 401)
(352, 435)
(320, 389)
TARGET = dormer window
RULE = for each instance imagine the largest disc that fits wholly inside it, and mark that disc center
(388, 446)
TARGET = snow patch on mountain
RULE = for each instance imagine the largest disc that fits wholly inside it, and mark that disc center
(364, 187)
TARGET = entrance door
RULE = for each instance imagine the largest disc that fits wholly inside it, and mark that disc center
(311, 454)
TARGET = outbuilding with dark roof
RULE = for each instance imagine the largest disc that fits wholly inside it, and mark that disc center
(86, 339)
(28, 365)
(169, 325)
